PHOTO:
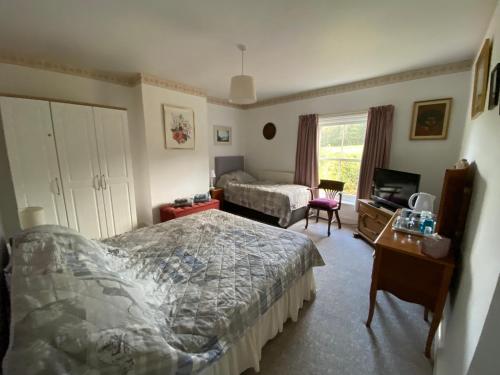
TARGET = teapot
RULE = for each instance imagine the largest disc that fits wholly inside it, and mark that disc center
(424, 202)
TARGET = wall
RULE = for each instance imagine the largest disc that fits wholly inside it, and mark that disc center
(429, 158)
(225, 116)
(4, 327)
(8, 206)
(486, 360)
(174, 173)
(478, 273)
(21, 80)
(142, 183)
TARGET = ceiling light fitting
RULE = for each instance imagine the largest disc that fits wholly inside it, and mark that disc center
(242, 89)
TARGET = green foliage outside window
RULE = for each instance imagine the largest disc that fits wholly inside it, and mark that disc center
(341, 148)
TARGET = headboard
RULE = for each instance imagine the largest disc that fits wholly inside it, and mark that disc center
(226, 164)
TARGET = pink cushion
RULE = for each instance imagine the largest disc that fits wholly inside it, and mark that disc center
(324, 203)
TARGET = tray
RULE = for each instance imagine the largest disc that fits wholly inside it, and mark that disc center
(404, 229)
(413, 232)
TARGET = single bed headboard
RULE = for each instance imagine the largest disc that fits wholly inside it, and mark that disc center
(226, 164)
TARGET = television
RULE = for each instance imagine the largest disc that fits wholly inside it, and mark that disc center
(392, 189)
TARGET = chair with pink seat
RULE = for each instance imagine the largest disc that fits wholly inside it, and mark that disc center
(331, 203)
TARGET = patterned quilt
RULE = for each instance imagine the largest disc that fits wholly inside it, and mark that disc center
(278, 200)
(166, 299)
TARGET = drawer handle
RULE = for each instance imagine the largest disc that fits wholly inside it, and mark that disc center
(57, 186)
(96, 182)
(104, 183)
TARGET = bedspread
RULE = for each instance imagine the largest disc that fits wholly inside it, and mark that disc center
(166, 299)
(278, 200)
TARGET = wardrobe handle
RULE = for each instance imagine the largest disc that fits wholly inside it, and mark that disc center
(96, 182)
(57, 186)
(103, 182)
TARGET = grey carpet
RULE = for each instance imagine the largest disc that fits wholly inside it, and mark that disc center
(330, 336)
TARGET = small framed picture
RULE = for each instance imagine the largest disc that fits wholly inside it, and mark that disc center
(179, 127)
(223, 135)
(481, 74)
(430, 119)
(494, 86)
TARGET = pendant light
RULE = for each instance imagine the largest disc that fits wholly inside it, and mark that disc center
(242, 87)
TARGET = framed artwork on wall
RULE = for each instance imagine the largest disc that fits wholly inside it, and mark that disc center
(494, 87)
(223, 135)
(269, 131)
(481, 73)
(179, 127)
(430, 119)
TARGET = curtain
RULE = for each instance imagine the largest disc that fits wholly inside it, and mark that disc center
(306, 158)
(377, 147)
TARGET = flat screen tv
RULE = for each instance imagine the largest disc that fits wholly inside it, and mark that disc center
(393, 188)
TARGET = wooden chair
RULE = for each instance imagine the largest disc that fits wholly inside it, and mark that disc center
(330, 203)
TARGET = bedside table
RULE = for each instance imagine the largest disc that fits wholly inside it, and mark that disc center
(218, 193)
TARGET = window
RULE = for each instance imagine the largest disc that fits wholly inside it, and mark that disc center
(341, 146)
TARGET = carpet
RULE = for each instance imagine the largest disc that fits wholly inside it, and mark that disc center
(330, 336)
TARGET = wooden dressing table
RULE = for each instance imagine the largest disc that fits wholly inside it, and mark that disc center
(402, 269)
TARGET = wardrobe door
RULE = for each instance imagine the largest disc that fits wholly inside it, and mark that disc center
(32, 156)
(77, 151)
(116, 169)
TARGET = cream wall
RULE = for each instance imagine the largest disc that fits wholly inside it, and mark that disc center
(174, 173)
(225, 116)
(472, 295)
(429, 158)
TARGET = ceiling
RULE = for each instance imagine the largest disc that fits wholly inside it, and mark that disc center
(292, 45)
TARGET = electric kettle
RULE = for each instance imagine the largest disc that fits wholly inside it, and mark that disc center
(424, 202)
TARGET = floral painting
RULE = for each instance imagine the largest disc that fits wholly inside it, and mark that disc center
(179, 127)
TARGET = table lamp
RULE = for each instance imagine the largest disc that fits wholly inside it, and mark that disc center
(32, 216)
(212, 178)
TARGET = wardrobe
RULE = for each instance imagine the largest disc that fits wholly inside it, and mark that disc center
(74, 161)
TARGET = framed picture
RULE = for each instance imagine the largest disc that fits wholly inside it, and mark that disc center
(179, 127)
(494, 86)
(223, 135)
(430, 119)
(481, 73)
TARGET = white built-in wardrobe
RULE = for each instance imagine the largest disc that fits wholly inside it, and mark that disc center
(74, 161)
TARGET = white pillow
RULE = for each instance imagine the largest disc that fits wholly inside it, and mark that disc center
(225, 179)
(235, 176)
(244, 177)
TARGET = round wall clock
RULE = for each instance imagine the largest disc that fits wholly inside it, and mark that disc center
(269, 130)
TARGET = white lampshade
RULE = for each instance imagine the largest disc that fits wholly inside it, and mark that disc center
(242, 90)
(32, 216)
(212, 173)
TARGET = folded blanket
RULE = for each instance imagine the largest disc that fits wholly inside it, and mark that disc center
(183, 202)
(200, 198)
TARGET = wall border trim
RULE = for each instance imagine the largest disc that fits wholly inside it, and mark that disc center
(133, 79)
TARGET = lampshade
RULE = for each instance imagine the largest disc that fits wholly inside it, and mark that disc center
(242, 90)
(32, 216)
(212, 173)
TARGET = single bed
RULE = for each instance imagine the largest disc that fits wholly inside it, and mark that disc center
(275, 203)
(198, 294)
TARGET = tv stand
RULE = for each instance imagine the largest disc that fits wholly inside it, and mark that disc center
(372, 219)
(375, 204)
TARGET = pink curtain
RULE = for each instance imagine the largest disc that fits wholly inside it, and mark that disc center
(306, 158)
(377, 147)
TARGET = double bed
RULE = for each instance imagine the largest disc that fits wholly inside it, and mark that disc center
(198, 294)
(274, 203)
